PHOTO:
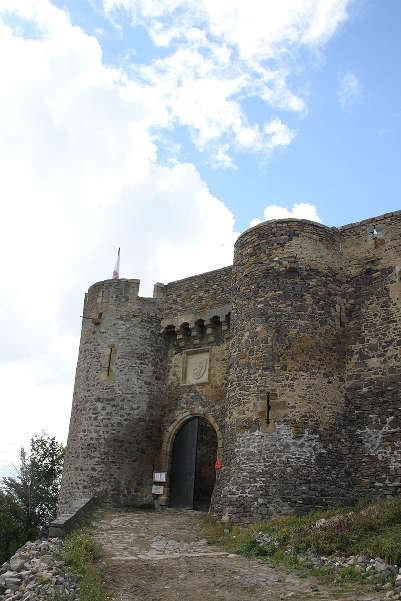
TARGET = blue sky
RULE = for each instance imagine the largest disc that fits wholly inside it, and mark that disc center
(166, 128)
(344, 159)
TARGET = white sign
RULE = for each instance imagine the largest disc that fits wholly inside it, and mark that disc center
(159, 476)
(157, 489)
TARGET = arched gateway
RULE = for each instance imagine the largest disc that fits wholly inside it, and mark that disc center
(192, 472)
(191, 447)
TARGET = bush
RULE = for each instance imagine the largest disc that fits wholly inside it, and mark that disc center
(80, 554)
(371, 528)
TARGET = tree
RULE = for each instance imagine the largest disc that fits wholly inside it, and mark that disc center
(11, 528)
(28, 501)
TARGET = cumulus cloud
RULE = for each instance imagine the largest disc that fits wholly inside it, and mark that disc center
(256, 29)
(79, 147)
(280, 134)
(349, 91)
(302, 210)
(80, 177)
(219, 53)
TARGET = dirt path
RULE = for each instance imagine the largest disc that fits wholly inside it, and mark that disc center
(155, 556)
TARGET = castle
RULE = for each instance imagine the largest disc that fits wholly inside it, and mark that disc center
(269, 387)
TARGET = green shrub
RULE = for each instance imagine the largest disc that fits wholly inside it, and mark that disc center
(80, 554)
(350, 573)
(371, 528)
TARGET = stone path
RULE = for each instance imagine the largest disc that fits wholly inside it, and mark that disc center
(157, 556)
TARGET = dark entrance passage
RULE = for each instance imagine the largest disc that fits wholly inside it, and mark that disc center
(193, 474)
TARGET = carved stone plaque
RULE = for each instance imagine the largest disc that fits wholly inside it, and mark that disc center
(197, 368)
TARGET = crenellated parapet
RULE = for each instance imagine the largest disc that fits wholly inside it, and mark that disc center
(111, 291)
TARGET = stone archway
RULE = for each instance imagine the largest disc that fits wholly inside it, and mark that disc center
(168, 444)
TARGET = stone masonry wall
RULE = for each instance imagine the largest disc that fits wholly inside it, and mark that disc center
(286, 350)
(293, 355)
(196, 317)
(372, 419)
(197, 294)
(206, 399)
(114, 435)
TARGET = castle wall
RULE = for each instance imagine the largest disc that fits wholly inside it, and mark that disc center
(293, 355)
(195, 326)
(197, 294)
(286, 347)
(372, 418)
(114, 436)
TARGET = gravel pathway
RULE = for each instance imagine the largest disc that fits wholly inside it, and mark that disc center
(155, 556)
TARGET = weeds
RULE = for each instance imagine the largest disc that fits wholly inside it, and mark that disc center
(80, 554)
(372, 529)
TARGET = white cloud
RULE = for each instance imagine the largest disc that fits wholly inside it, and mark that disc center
(302, 210)
(349, 90)
(80, 177)
(80, 170)
(256, 29)
(223, 52)
(280, 134)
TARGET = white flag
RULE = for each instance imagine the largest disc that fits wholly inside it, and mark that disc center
(116, 272)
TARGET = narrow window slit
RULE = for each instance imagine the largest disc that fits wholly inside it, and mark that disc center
(268, 407)
(109, 363)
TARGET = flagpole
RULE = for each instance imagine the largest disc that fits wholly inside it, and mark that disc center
(116, 272)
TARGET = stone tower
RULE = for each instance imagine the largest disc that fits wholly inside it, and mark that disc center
(282, 373)
(286, 378)
(115, 420)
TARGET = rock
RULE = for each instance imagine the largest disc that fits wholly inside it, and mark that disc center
(398, 581)
(392, 595)
(9, 574)
(13, 583)
(380, 566)
(17, 564)
(5, 567)
(31, 586)
(47, 559)
(44, 546)
(25, 574)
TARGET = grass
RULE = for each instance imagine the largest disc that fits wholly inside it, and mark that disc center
(371, 529)
(80, 555)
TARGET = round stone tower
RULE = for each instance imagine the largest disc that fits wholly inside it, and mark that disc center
(114, 434)
(285, 386)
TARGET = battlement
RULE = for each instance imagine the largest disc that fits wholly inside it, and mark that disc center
(107, 291)
(385, 217)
